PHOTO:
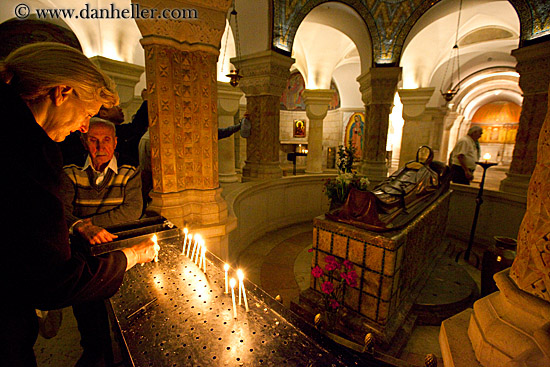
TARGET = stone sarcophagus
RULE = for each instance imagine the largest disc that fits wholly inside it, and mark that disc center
(392, 268)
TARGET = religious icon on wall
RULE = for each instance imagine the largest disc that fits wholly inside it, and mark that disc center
(299, 129)
(355, 132)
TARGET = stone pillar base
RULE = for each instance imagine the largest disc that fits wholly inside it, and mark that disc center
(375, 171)
(261, 171)
(228, 178)
(515, 183)
(507, 328)
(202, 211)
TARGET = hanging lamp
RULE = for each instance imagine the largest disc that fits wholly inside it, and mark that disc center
(234, 75)
(452, 89)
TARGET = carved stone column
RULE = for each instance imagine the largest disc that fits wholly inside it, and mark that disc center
(417, 126)
(448, 122)
(264, 78)
(317, 102)
(180, 64)
(378, 87)
(534, 69)
(437, 115)
(228, 105)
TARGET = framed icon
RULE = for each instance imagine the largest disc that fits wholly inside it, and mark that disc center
(299, 129)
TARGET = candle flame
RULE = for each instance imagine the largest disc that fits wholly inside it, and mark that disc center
(486, 156)
(185, 230)
(226, 267)
(232, 282)
(155, 238)
(240, 274)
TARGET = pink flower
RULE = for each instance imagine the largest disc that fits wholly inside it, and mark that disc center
(348, 264)
(332, 264)
(334, 304)
(317, 272)
(350, 277)
(351, 282)
(327, 287)
(310, 250)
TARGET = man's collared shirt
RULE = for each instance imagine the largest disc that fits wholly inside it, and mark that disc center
(99, 176)
(466, 146)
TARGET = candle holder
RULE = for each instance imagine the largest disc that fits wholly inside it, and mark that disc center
(479, 200)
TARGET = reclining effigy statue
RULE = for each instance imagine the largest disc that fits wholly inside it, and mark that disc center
(398, 199)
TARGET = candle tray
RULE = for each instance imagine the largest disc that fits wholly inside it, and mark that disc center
(170, 313)
(130, 234)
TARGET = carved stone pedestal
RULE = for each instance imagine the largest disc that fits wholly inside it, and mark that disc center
(509, 328)
(202, 211)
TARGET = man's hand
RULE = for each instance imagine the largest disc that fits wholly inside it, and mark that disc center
(462, 160)
(93, 234)
(143, 252)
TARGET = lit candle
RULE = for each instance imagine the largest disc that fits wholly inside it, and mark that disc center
(226, 268)
(185, 231)
(197, 237)
(486, 156)
(190, 239)
(203, 257)
(240, 274)
(197, 254)
(232, 285)
(156, 247)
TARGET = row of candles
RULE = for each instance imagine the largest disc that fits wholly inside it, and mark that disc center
(197, 250)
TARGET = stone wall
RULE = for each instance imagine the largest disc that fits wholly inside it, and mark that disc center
(500, 214)
(261, 207)
(332, 131)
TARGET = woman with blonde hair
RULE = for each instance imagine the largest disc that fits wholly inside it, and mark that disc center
(47, 91)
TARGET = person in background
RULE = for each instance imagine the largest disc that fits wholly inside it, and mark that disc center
(128, 134)
(47, 91)
(105, 191)
(464, 156)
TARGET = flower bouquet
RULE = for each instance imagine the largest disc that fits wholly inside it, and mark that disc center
(334, 278)
(338, 188)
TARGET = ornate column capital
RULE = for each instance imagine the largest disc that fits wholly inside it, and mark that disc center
(317, 102)
(199, 27)
(414, 101)
(378, 85)
(264, 73)
(533, 67)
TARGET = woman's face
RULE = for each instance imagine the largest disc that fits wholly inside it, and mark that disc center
(70, 115)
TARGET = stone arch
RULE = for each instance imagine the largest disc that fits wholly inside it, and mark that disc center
(289, 34)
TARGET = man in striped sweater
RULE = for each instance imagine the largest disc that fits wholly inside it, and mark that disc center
(105, 191)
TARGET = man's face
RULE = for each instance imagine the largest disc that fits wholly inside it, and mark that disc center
(100, 143)
(113, 114)
(477, 134)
